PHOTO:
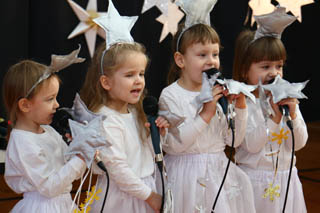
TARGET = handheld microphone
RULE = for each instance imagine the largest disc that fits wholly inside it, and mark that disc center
(99, 162)
(223, 101)
(150, 107)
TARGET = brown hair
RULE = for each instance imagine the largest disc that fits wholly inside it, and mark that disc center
(18, 81)
(248, 51)
(93, 94)
(197, 33)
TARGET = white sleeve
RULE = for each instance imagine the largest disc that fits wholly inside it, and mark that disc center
(300, 132)
(32, 161)
(187, 132)
(115, 160)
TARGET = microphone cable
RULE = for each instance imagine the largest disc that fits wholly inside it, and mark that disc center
(102, 167)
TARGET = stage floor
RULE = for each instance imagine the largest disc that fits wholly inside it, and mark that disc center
(308, 164)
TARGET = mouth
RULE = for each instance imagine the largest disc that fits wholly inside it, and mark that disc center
(136, 92)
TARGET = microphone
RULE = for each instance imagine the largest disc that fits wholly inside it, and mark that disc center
(150, 108)
(99, 162)
(223, 101)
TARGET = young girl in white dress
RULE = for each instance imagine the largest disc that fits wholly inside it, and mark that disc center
(117, 92)
(267, 162)
(195, 157)
(34, 162)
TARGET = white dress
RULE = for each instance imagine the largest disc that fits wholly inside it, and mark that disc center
(129, 162)
(196, 152)
(253, 156)
(35, 167)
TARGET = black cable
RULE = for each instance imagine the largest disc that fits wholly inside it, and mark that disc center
(160, 167)
(106, 194)
(290, 125)
(227, 168)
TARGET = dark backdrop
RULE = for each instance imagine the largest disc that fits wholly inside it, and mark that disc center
(35, 29)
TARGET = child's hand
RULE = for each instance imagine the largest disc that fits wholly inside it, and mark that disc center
(162, 124)
(154, 201)
(292, 103)
(240, 100)
(278, 115)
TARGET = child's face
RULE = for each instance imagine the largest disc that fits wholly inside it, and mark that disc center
(127, 83)
(197, 58)
(264, 70)
(44, 103)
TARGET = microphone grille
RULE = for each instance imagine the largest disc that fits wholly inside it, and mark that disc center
(150, 105)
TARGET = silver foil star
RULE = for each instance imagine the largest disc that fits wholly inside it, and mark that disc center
(87, 139)
(273, 24)
(264, 101)
(281, 89)
(117, 27)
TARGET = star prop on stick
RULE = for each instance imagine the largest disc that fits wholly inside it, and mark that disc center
(273, 24)
(86, 25)
(260, 7)
(294, 6)
(58, 62)
(161, 4)
(117, 27)
(87, 139)
(170, 21)
(80, 112)
(236, 87)
(281, 89)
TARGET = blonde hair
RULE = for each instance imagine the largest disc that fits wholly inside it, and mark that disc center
(248, 51)
(18, 81)
(195, 34)
(93, 94)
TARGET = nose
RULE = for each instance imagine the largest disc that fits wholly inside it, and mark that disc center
(139, 79)
(56, 104)
(274, 72)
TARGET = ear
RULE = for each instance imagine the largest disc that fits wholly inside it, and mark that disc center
(24, 105)
(105, 82)
(178, 58)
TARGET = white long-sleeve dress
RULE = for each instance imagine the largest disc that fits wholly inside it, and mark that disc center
(129, 162)
(196, 151)
(35, 167)
(253, 156)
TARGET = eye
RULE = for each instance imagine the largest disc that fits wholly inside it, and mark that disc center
(142, 74)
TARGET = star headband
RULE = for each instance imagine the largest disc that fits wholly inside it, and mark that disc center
(273, 24)
(117, 28)
(197, 12)
(58, 62)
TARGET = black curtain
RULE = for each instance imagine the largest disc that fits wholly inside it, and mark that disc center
(35, 29)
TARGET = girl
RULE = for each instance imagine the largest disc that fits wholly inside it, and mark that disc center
(267, 163)
(195, 153)
(117, 92)
(35, 155)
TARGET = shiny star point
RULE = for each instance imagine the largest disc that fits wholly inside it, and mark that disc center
(86, 25)
(294, 6)
(116, 27)
(170, 21)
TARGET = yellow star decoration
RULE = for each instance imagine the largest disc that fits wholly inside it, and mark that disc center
(260, 7)
(294, 6)
(91, 196)
(271, 192)
(280, 137)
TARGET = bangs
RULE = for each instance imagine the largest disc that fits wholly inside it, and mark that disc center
(267, 49)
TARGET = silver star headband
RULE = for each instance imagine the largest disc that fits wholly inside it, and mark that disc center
(273, 24)
(58, 62)
(197, 12)
(117, 28)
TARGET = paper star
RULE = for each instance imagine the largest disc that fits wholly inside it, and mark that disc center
(86, 25)
(170, 21)
(280, 137)
(271, 192)
(282, 89)
(196, 11)
(273, 24)
(236, 87)
(294, 6)
(87, 139)
(80, 112)
(260, 7)
(117, 27)
(161, 4)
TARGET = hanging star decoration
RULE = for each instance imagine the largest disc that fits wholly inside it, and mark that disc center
(170, 21)
(281, 89)
(272, 192)
(294, 6)
(260, 7)
(280, 137)
(116, 27)
(91, 197)
(86, 25)
(273, 24)
(161, 4)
